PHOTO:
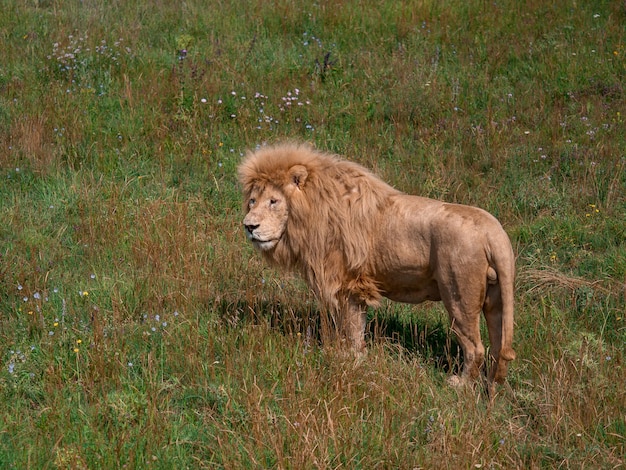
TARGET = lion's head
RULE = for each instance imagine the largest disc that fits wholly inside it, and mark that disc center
(273, 184)
(267, 215)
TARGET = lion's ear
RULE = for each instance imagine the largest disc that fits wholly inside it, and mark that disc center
(297, 175)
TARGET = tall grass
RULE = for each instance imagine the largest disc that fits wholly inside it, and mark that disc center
(137, 327)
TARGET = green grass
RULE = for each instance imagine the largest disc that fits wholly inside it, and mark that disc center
(139, 329)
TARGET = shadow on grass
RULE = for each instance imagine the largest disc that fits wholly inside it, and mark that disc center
(426, 335)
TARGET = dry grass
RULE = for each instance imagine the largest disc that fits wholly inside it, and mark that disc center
(547, 279)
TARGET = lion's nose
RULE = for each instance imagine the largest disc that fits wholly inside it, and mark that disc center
(251, 228)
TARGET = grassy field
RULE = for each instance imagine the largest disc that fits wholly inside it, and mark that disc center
(138, 329)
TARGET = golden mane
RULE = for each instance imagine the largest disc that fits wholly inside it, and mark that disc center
(330, 217)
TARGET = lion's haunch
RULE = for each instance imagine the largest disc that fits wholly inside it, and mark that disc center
(356, 239)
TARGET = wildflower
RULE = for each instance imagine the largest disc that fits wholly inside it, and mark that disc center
(11, 367)
(76, 350)
(92, 276)
(37, 295)
(175, 313)
(19, 287)
(203, 100)
(79, 341)
(130, 364)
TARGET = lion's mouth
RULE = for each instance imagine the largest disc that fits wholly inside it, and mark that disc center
(262, 244)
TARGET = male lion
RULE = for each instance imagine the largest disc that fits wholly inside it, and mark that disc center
(356, 239)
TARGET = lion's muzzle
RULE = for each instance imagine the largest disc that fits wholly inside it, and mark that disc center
(250, 230)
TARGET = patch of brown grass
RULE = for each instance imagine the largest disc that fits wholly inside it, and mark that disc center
(548, 278)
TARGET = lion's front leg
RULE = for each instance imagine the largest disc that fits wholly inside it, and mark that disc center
(353, 316)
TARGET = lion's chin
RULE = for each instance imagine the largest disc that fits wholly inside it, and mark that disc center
(264, 245)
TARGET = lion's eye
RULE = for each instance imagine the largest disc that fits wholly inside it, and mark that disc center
(252, 202)
(273, 202)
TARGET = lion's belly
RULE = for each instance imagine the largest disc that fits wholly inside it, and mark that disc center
(409, 288)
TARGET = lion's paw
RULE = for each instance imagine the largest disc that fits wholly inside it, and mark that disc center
(456, 381)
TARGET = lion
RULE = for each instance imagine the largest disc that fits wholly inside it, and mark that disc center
(355, 239)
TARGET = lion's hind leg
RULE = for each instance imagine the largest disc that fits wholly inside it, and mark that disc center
(465, 323)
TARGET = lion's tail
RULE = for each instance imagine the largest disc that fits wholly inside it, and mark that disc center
(505, 267)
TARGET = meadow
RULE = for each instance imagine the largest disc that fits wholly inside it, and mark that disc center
(138, 328)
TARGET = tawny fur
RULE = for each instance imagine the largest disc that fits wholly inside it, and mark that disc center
(355, 239)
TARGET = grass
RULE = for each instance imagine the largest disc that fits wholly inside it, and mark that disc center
(138, 328)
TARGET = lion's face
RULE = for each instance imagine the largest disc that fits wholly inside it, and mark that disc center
(266, 218)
